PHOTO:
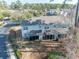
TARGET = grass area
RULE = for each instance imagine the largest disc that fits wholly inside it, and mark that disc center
(55, 55)
(18, 54)
(1, 23)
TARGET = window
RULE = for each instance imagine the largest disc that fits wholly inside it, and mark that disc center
(46, 27)
(25, 28)
(39, 26)
(35, 31)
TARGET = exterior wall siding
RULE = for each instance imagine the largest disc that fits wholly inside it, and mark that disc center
(28, 29)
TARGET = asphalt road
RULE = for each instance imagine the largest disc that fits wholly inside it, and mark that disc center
(3, 48)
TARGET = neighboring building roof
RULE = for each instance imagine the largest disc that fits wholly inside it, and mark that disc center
(50, 25)
(11, 23)
(15, 28)
(44, 20)
(49, 19)
(36, 22)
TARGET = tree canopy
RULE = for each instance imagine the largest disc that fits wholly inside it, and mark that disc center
(20, 10)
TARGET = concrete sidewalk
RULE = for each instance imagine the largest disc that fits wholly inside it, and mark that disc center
(11, 51)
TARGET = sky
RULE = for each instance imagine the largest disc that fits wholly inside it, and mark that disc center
(42, 1)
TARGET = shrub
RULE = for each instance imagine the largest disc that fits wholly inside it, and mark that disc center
(18, 54)
(55, 55)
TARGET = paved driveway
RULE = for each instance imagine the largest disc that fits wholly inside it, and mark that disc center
(6, 50)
